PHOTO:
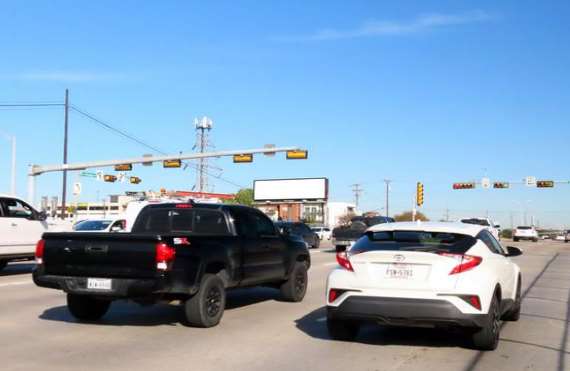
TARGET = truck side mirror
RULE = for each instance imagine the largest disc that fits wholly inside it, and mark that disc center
(41, 216)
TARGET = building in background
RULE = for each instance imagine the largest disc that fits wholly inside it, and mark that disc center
(298, 199)
(336, 210)
(115, 206)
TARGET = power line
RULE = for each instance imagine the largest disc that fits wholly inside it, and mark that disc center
(357, 190)
(143, 143)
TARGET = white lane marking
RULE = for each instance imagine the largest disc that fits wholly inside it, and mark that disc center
(314, 251)
(18, 283)
(330, 264)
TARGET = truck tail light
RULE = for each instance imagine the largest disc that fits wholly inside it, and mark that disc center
(40, 246)
(466, 262)
(342, 259)
(164, 256)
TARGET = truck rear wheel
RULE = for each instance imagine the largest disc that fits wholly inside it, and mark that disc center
(295, 287)
(87, 308)
(206, 308)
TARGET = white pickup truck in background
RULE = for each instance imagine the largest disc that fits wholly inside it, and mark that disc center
(21, 227)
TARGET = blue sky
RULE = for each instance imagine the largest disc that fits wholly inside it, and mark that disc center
(432, 91)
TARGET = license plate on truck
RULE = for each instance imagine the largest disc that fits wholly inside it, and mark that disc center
(99, 283)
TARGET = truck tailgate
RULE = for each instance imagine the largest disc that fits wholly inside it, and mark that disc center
(118, 255)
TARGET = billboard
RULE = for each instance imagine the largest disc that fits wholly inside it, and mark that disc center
(291, 189)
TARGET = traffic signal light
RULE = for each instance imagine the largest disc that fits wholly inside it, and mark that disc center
(544, 183)
(124, 167)
(470, 185)
(171, 163)
(110, 178)
(135, 180)
(297, 155)
(501, 185)
(248, 157)
(420, 194)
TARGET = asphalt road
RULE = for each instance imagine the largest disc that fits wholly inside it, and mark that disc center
(259, 332)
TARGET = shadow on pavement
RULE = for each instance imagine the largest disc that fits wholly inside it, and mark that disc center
(125, 313)
(314, 325)
(17, 268)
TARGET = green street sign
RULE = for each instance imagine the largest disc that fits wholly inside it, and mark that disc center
(88, 174)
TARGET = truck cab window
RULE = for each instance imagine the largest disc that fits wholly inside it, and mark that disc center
(264, 226)
(16, 209)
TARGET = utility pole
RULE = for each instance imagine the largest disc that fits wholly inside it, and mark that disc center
(387, 181)
(203, 127)
(66, 121)
(357, 191)
(447, 214)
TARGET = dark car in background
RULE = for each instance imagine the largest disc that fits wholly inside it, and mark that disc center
(300, 230)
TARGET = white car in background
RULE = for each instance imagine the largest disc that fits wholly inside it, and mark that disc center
(100, 225)
(525, 233)
(21, 227)
(324, 233)
(425, 274)
(495, 229)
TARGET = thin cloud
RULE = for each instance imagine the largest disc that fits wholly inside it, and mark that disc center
(61, 76)
(422, 23)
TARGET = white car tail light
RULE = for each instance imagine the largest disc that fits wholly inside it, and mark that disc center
(466, 262)
(342, 259)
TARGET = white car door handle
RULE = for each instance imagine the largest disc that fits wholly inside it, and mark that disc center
(14, 225)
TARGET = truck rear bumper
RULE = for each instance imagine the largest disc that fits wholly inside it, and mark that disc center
(120, 287)
(404, 312)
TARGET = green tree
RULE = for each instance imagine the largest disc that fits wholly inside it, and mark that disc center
(406, 216)
(243, 197)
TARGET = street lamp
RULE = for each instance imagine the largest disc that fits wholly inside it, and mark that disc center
(12, 139)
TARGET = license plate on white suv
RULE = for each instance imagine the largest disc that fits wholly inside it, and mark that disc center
(400, 271)
(99, 283)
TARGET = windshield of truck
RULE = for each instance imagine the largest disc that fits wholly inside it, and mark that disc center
(93, 225)
(191, 220)
(413, 241)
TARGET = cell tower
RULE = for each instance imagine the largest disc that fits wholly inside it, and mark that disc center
(203, 127)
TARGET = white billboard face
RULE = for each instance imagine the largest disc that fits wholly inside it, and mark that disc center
(290, 189)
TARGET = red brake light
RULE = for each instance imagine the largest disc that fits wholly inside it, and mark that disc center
(40, 251)
(333, 294)
(164, 256)
(475, 302)
(342, 259)
(466, 262)
(183, 206)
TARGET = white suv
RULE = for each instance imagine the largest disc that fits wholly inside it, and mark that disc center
(425, 274)
(324, 233)
(21, 227)
(495, 229)
(525, 233)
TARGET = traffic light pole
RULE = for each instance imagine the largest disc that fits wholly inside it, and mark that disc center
(36, 170)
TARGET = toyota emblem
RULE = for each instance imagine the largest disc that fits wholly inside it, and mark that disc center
(399, 258)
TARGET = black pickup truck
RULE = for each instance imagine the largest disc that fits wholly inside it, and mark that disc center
(181, 251)
(346, 235)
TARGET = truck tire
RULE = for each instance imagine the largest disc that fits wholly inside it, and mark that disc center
(342, 330)
(487, 338)
(206, 308)
(295, 287)
(3, 264)
(87, 308)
